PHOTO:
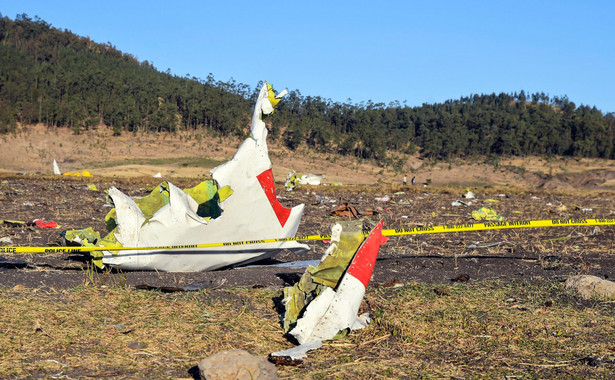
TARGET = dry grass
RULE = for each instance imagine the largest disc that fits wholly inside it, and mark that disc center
(194, 153)
(483, 330)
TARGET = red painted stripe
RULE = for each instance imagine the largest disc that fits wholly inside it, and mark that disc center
(362, 264)
(266, 181)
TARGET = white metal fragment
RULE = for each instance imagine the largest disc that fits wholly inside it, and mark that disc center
(311, 179)
(56, 168)
(469, 195)
(335, 310)
(251, 213)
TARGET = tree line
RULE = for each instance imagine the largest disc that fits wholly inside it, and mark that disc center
(55, 77)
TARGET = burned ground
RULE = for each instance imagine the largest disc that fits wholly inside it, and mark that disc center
(429, 258)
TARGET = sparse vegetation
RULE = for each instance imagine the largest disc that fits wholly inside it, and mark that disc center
(513, 318)
(525, 329)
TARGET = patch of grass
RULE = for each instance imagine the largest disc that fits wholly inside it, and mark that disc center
(527, 329)
(106, 277)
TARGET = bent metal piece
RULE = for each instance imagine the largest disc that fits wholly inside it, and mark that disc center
(335, 309)
(250, 212)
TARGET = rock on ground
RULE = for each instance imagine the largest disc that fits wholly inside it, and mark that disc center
(236, 364)
(588, 286)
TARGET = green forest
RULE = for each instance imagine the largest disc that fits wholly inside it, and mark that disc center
(63, 80)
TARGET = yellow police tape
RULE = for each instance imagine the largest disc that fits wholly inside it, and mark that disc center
(391, 232)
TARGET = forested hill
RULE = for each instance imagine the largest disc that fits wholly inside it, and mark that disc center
(55, 77)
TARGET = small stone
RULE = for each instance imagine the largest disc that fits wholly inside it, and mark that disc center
(236, 364)
(588, 286)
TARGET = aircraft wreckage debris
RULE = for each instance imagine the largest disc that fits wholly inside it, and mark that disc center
(239, 203)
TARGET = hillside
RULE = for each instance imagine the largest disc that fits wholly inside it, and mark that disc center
(56, 78)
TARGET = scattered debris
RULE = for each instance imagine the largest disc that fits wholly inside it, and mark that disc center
(36, 222)
(13, 223)
(311, 179)
(487, 213)
(349, 211)
(157, 175)
(460, 203)
(385, 198)
(293, 179)
(469, 195)
(335, 288)
(290, 264)
(42, 224)
(82, 173)
(322, 199)
(239, 204)
(92, 187)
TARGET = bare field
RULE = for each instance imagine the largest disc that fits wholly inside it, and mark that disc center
(193, 154)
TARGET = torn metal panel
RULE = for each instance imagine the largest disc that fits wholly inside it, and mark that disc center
(293, 179)
(311, 179)
(83, 173)
(487, 213)
(346, 237)
(56, 168)
(239, 204)
(349, 211)
(334, 309)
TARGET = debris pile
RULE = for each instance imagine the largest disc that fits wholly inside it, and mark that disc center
(238, 204)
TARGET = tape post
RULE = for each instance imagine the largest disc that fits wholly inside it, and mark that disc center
(389, 233)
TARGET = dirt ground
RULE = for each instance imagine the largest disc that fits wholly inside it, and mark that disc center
(461, 256)
(523, 188)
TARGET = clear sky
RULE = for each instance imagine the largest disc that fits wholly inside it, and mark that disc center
(413, 51)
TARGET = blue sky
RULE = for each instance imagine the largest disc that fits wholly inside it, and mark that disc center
(413, 51)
